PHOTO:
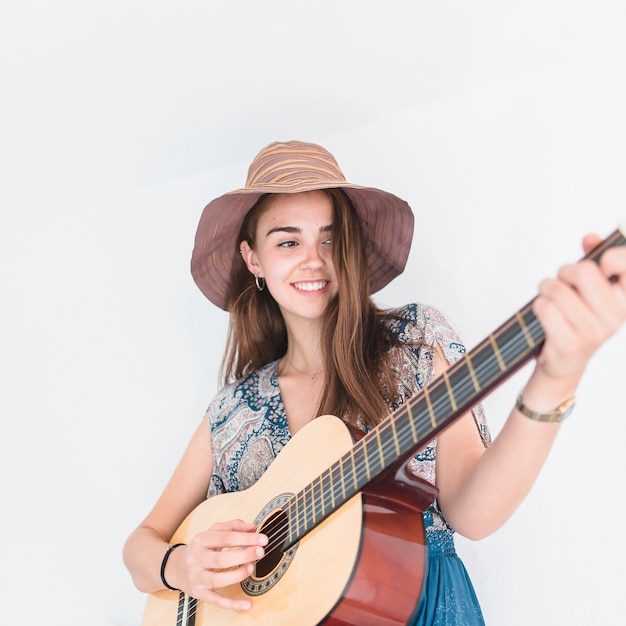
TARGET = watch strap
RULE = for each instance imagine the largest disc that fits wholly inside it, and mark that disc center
(558, 415)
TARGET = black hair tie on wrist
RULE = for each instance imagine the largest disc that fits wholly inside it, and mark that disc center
(164, 563)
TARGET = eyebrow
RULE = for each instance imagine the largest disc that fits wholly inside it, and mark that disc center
(295, 229)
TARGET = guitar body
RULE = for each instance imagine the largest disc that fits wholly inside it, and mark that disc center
(364, 564)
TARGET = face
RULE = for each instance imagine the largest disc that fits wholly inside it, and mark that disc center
(293, 253)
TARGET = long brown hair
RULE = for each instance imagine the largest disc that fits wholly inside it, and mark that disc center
(356, 343)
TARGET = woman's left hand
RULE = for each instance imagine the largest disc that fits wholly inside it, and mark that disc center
(579, 310)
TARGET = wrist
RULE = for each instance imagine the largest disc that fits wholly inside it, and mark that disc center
(164, 562)
(543, 391)
(554, 415)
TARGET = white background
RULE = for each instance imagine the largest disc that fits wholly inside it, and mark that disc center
(501, 123)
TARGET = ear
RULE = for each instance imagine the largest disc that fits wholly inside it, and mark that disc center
(250, 258)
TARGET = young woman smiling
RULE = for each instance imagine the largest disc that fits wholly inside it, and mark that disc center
(295, 257)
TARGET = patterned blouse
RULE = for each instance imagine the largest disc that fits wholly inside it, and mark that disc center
(249, 426)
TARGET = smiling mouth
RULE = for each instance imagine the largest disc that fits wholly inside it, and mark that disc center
(318, 285)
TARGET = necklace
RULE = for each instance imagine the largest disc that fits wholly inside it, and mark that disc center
(313, 376)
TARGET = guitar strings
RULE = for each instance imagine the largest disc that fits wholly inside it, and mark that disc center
(491, 366)
(404, 434)
(187, 607)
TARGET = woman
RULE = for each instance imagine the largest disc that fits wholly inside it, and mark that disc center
(295, 257)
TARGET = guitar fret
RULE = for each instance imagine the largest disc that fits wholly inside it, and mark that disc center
(460, 380)
(510, 337)
(314, 509)
(313, 505)
(297, 516)
(414, 436)
(485, 364)
(387, 445)
(439, 403)
(305, 508)
(321, 499)
(343, 482)
(323, 496)
(518, 332)
(380, 448)
(308, 505)
(320, 512)
(333, 485)
(496, 352)
(534, 327)
(429, 404)
(330, 492)
(367, 465)
(450, 392)
(354, 475)
(522, 324)
(472, 372)
(396, 443)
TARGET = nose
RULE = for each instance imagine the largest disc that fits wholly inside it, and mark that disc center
(313, 258)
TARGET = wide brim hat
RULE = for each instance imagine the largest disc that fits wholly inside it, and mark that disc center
(294, 167)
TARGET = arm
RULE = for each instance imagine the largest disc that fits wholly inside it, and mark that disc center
(579, 310)
(192, 567)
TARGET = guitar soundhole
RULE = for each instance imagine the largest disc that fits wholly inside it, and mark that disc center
(274, 522)
(275, 527)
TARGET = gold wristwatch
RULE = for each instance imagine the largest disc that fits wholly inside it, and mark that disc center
(558, 415)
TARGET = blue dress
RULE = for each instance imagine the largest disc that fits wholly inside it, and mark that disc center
(249, 428)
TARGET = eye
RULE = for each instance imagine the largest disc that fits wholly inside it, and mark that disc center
(287, 244)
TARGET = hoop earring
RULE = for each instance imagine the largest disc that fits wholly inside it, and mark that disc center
(260, 282)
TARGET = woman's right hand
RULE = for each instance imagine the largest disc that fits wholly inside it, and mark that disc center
(223, 555)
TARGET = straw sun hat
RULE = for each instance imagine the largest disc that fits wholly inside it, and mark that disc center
(292, 167)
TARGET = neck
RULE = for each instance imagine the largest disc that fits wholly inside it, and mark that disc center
(309, 373)
(304, 352)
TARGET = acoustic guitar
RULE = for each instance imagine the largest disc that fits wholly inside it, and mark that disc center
(344, 518)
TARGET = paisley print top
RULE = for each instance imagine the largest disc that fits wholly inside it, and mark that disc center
(249, 426)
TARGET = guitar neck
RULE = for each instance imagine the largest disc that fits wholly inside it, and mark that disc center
(425, 414)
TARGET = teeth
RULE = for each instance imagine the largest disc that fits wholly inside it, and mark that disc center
(311, 286)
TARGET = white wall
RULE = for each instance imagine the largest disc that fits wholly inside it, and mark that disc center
(502, 124)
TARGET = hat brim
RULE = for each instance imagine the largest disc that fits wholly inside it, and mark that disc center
(387, 224)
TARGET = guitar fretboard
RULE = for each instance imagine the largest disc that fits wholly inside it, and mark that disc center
(424, 415)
